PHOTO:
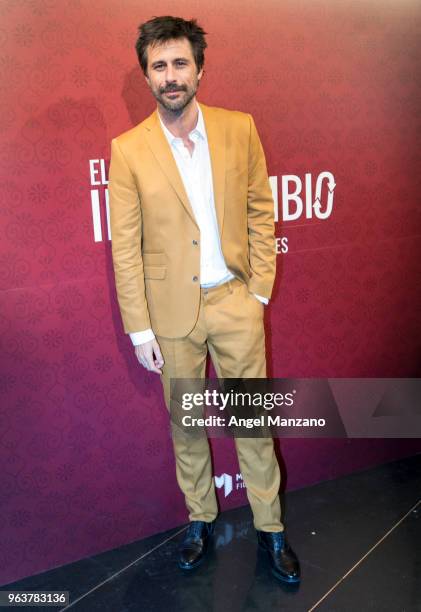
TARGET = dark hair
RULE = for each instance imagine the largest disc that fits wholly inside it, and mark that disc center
(161, 29)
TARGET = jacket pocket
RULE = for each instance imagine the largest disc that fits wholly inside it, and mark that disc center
(155, 272)
(154, 258)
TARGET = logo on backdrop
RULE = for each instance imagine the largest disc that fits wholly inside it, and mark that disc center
(309, 198)
(225, 481)
(99, 199)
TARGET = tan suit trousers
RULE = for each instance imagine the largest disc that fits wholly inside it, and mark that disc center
(230, 325)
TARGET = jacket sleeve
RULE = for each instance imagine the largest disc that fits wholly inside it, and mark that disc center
(260, 219)
(126, 233)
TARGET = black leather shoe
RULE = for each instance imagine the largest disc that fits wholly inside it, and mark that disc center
(283, 560)
(195, 544)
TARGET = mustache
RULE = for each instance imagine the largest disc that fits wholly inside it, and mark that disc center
(172, 88)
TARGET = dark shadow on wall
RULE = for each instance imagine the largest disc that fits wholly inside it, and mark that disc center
(137, 97)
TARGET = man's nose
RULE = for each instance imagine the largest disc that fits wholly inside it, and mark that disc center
(170, 75)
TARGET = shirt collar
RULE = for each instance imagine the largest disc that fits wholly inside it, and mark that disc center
(198, 131)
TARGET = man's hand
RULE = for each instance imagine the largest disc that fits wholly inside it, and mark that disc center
(145, 353)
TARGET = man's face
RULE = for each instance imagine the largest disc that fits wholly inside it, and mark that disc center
(172, 73)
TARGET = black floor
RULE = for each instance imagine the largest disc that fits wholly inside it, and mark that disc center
(358, 539)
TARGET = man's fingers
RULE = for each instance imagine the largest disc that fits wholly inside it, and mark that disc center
(145, 355)
(142, 360)
(159, 360)
(151, 364)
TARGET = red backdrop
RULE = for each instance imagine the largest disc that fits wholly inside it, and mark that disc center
(85, 451)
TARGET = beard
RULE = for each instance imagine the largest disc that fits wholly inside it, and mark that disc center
(177, 105)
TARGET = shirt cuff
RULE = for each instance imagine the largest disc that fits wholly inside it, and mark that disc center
(141, 337)
(262, 299)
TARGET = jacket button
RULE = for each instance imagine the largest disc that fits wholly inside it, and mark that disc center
(195, 242)
(195, 278)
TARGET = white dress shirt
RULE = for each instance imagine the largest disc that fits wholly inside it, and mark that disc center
(196, 173)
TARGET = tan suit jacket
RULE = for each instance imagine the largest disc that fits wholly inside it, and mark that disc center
(155, 238)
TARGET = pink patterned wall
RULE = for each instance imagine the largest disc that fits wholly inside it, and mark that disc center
(86, 459)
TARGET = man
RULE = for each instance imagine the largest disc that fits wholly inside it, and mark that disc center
(193, 249)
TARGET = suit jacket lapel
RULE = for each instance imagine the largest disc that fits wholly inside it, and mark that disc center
(164, 156)
(215, 131)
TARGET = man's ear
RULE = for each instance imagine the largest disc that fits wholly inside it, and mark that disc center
(147, 80)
